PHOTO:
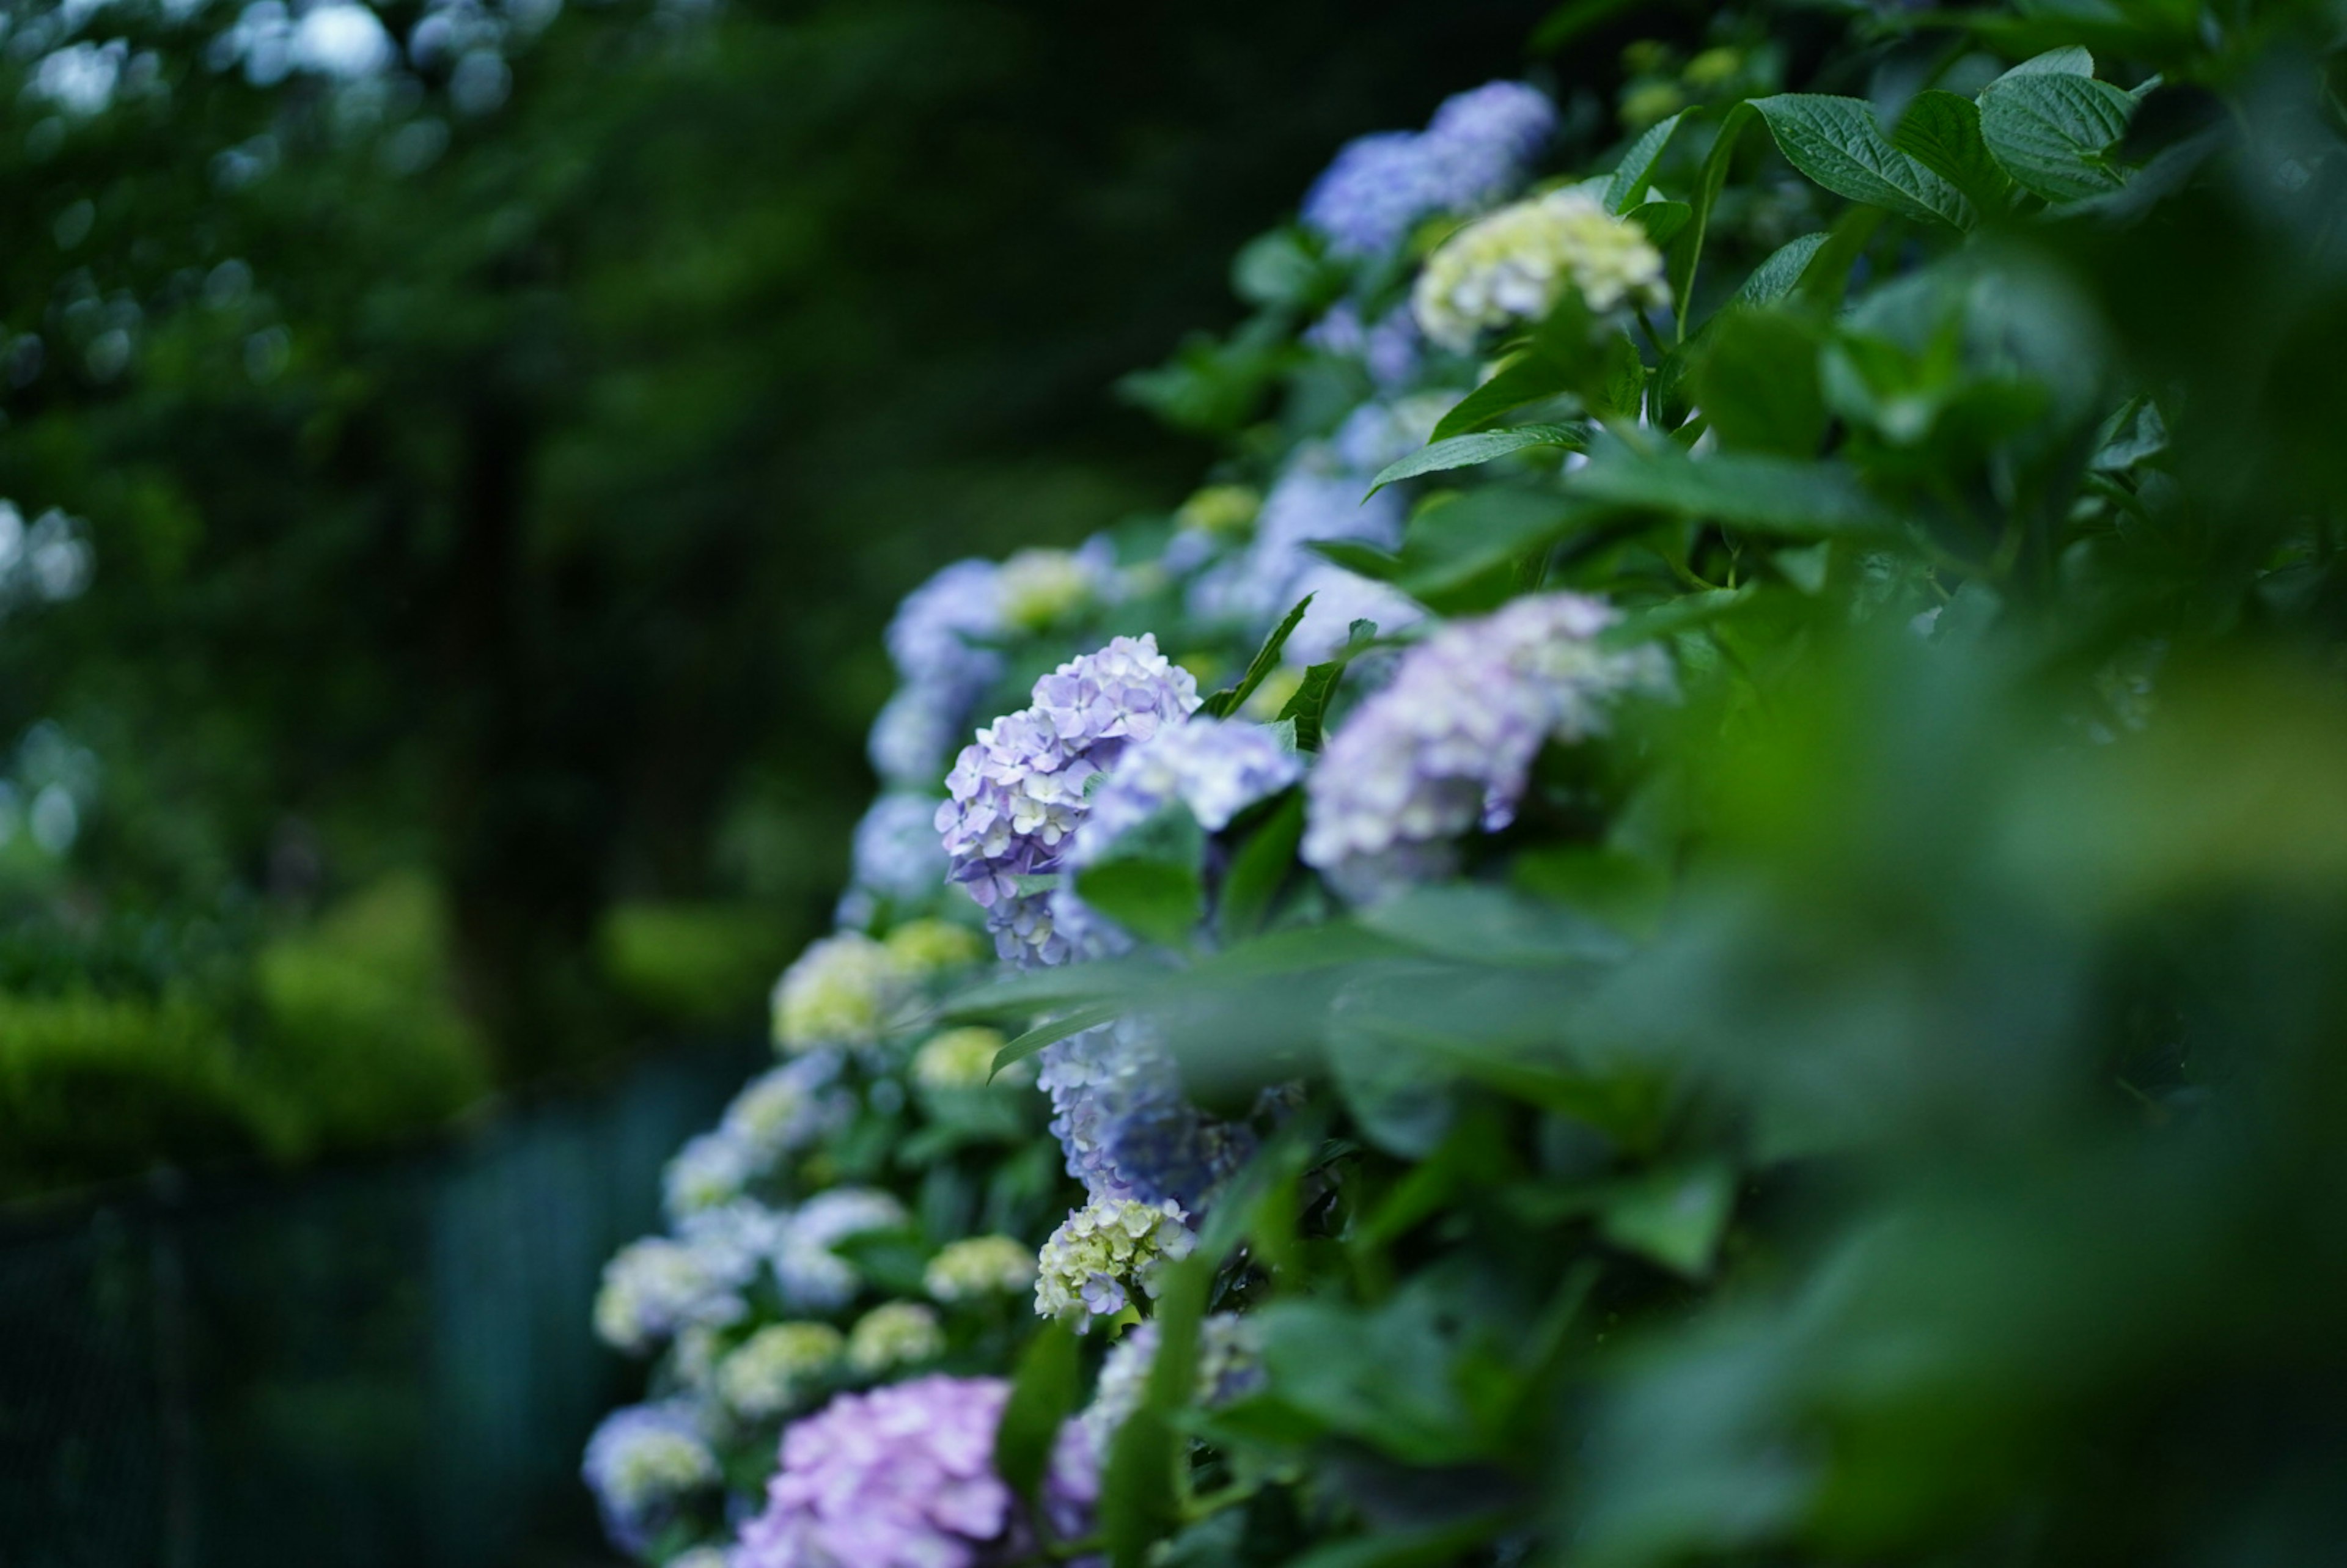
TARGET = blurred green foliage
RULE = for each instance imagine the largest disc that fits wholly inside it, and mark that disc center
(496, 494)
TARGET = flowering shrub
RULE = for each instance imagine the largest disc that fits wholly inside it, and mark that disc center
(1678, 920)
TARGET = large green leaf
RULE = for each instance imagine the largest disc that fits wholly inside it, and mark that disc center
(1767, 495)
(1149, 881)
(1308, 708)
(1627, 185)
(1773, 279)
(1661, 221)
(1527, 378)
(1754, 376)
(1466, 451)
(1140, 1494)
(1043, 1394)
(1675, 1217)
(1837, 142)
(1688, 253)
(1455, 538)
(2055, 132)
(1942, 130)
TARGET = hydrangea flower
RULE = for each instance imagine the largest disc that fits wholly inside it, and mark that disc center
(642, 1464)
(1038, 589)
(655, 1286)
(937, 637)
(979, 1266)
(1230, 1366)
(1104, 1252)
(777, 1368)
(895, 1334)
(962, 1059)
(894, 854)
(1389, 349)
(1479, 146)
(1018, 792)
(700, 1557)
(1380, 434)
(915, 733)
(1317, 497)
(925, 948)
(1516, 264)
(1448, 744)
(710, 1170)
(842, 990)
(1126, 1128)
(1217, 769)
(903, 1477)
(1220, 511)
(785, 1110)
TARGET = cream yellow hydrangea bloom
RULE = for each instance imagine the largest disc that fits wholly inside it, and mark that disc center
(1515, 265)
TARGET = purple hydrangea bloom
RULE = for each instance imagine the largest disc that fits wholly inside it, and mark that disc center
(915, 732)
(903, 1477)
(1125, 1126)
(1448, 744)
(1018, 792)
(1230, 1366)
(643, 1463)
(1382, 432)
(1479, 147)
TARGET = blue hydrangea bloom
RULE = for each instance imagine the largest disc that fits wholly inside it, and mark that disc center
(1479, 147)
(641, 1464)
(1126, 1128)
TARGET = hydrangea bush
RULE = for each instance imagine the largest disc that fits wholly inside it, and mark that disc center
(1628, 940)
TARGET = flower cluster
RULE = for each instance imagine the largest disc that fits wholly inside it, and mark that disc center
(1127, 1129)
(894, 852)
(978, 1267)
(1389, 349)
(1319, 498)
(1018, 792)
(810, 1273)
(643, 1463)
(1215, 768)
(892, 1334)
(777, 1368)
(655, 1286)
(1477, 148)
(1449, 744)
(1105, 1251)
(1230, 1366)
(771, 1120)
(1516, 264)
(842, 990)
(903, 1477)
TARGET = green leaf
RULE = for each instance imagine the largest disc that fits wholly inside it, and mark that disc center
(1308, 708)
(1362, 561)
(1628, 183)
(1688, 253)
(1226, 701)
(1662, 221)
(1527, 378)
(1672, 616)
(1942, 130)
(1826, 277)
(1484, 925)
(1056, 1029)
(1043, 1394)
(1773, 279)
(1837, 142)
(2071, 59)
(1276, 268)
(1453, 538)
(2054, 131)
(1754, 375)
(1148, 880)
(1466, 451)
(1767, 495)
(1675, 1217)
(1140, 1496)
(1261, 865)
(1426, 1546)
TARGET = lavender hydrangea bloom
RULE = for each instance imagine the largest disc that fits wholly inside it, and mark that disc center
(810, 1273)
(1385, 431)
(1448, 746)
(653, 1287)
(896, 853)
(1126, 1128)
(642, 1463)
(903, 1477)
(937, 636)
(710, 1170)
(1479, 147)
(783, 1110)
(1215, 768)
(1018, 792)
(915, 733)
